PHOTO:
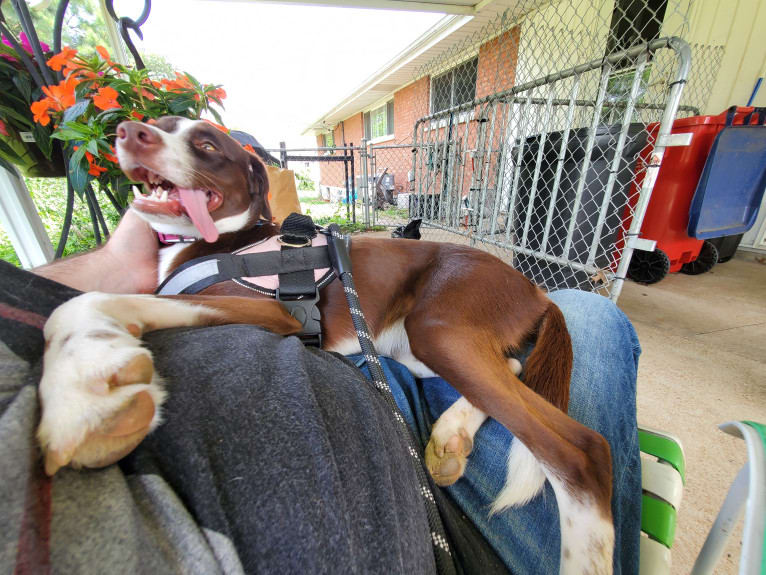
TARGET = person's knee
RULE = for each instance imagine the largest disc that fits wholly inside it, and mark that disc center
(591, 316)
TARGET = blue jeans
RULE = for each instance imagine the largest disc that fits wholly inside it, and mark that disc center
(602, 397)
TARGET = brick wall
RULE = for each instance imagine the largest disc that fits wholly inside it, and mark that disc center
(497, 63)
(496, 72)
(333, 173)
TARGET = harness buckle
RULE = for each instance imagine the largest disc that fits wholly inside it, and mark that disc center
(304, 309)
(294, 241)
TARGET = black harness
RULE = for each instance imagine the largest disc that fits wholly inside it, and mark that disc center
(299, 293)
(294, 264)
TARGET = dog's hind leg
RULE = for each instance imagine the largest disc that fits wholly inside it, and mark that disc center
(575, 459)
(452, 441)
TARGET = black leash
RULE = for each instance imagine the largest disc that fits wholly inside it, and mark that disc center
(338, 247)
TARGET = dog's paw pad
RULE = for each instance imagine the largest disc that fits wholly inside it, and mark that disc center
(446, 461)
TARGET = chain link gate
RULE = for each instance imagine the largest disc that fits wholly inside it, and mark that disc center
(330, 181)
(558, 184)
(532, 136)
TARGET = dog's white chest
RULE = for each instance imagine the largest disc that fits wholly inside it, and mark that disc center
(167, 255)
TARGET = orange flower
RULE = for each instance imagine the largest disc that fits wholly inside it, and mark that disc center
(137, 115)
(40, 111)
(105, 56)
(103, 53)
(63, 58)
(93, 168)
(3, 129)
(218, 93)
(179, 84)
(96, 170)
(145, 93)
(61, 96)
(249, 148)
(106, 99)
(224, 129)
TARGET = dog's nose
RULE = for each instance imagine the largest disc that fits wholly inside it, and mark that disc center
(135, 136)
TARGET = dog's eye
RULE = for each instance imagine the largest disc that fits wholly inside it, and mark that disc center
(207, 146)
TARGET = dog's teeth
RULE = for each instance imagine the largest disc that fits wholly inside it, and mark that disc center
(136, 192)
(164, 196)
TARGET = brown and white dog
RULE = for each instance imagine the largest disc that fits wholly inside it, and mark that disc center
(438, 308)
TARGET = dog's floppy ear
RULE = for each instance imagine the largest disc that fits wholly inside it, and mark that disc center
(258, 181)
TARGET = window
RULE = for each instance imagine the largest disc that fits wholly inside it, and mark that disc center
(454, 87)
(380, 121)
(329, 140)
(635, 22)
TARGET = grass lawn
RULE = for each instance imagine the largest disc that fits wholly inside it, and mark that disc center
(49, 195)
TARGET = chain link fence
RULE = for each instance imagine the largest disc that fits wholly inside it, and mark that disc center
(538, 136)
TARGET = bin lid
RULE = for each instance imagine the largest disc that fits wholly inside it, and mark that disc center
(732, 184)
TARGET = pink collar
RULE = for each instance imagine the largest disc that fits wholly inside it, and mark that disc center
(170, 239)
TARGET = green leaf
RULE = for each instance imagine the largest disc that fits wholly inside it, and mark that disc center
(78, 174)
(107, 115)
(194, 81)
(11, 113)
(66, 135)
(181, 105)
(8, 51)
(79, 128)
(216, 115)
(23, 85)
(10, 153)
(43, 140)
(74, 112)
(92, 147)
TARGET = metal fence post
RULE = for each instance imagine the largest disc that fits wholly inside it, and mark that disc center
(365, 182)
(374, 193)
(353, 184)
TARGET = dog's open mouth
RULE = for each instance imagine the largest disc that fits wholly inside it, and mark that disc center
(165, 198)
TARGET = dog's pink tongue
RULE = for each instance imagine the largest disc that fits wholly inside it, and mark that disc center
(195, 204)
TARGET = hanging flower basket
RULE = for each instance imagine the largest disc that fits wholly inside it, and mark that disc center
(23, 142)
(97, 94)
(21, 149)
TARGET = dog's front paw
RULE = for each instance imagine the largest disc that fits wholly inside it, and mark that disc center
(99, 393)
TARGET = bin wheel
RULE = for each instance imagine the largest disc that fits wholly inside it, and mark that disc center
(705, 261)
(648, 267)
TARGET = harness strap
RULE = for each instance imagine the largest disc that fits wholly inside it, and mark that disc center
(200, 273)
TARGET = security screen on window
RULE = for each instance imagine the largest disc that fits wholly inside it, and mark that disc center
(454, 87)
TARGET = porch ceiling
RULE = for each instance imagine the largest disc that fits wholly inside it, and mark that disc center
(463, 7)
(450, 31)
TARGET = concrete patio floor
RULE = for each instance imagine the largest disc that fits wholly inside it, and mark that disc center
(703, 363)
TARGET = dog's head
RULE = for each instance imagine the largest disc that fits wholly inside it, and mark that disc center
(198, 181)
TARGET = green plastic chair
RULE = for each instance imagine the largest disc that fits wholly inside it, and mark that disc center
(663, 476)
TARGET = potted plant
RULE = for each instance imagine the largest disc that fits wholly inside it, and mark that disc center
(95, 95)
(23, 142)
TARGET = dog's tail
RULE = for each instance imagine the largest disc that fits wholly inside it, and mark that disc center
(549, 366)
(547, 371)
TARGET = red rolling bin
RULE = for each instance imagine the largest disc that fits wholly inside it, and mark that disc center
(667, 216)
